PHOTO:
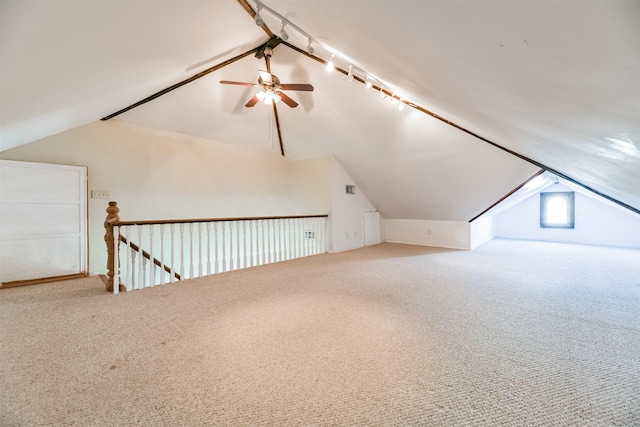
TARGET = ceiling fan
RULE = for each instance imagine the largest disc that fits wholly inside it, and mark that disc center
(271, 88)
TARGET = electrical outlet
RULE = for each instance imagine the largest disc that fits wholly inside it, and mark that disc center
(100, 194)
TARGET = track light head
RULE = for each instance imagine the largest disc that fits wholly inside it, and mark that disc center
(350, 73)
(310, 49)
(283, 34)
(368, 83)
(259, 20)
(330, 65)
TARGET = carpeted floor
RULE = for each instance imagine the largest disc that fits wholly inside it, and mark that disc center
(513, 333)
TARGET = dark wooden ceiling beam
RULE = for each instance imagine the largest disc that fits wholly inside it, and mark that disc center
(506, 196)
(183, 82)
(275, 115)
(467, 131)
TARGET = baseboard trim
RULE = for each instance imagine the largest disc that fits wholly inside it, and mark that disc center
(17, 283)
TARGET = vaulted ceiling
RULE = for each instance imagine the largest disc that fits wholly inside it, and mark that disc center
(554, 84)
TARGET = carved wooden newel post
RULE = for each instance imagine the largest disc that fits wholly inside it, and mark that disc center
(112, 216)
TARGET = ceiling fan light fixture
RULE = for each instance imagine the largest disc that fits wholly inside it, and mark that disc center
(268, 97)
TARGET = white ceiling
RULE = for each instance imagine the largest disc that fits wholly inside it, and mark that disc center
(557, 82)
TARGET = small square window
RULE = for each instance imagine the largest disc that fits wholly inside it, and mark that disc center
(557, 209)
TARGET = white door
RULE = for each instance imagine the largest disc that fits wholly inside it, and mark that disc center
(43, 220)
(371, 221)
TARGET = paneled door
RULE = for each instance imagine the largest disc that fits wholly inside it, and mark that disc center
(43, 221)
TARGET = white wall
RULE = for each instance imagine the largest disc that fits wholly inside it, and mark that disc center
(482, 231)
(158, 175)
(346, 220)
(596, 222)
(444, 234)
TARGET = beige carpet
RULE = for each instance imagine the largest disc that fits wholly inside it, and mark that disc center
(513, 333)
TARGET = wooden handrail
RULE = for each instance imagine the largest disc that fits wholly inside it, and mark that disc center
(196, 220)
(113, 220)
(147, 255)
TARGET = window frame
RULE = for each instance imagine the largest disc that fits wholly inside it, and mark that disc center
(569, 197)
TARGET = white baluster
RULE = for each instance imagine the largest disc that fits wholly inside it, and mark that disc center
(262, 240)
(323, 224)
(140, 263)
(269, 241)
(299, 237)
(191, 260)
(216, 251)
(116, 255)
(239, 246)
(208, 248)
(246, 225)
(235, 259)
(144, 271)
(294, 237)
(225, 226)
(162, 264)
(131, 276)
(280, 239)
(200, 249)
(316, 229)
(322, 231)
(172, 240)
(276, 242)
(152, 271)
(254, 243)
(285, 239)
(182, 251)
(307, 241)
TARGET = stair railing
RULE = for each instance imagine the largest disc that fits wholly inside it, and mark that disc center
(180, 249)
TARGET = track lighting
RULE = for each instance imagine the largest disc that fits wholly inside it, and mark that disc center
(330, 65)
(283, 34)
(364, 77)
(259, 20)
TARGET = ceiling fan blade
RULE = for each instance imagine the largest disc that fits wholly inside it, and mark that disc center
(297, 86)
(253, 101)
(266, 76)
(275, 114)
(290, 102)
(227, 82)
